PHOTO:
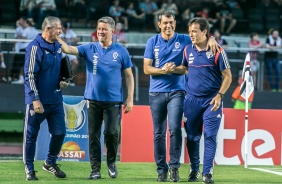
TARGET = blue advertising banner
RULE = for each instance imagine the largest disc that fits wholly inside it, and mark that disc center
(75, 146)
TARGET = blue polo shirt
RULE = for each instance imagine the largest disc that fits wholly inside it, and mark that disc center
(204, 71)
(104, 70)
(162, 51)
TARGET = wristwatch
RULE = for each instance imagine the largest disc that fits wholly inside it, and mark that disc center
(221, 95)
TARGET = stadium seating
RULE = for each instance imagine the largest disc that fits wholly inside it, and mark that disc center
(255, 21)
(8, 12)
(242, 23)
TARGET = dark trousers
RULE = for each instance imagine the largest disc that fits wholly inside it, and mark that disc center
(273, 67)
(109, 112)
(54, 114)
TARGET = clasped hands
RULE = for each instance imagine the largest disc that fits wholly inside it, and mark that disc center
(169, 67)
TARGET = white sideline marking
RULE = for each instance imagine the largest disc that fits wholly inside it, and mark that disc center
(10, 161)
(268, 171)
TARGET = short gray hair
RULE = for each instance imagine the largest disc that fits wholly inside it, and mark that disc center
(50, 21)
(108, 20)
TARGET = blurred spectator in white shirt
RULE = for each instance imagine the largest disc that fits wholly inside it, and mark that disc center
(29, 33)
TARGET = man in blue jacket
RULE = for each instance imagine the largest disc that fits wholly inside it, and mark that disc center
(43, 97)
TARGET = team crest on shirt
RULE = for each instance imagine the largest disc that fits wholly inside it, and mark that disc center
(115, 55)
(59, 50)
(176, 46)
(32, 112)
(209, 54)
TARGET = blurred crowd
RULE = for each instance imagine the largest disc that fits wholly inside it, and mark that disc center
(224, 15)
(254, 17)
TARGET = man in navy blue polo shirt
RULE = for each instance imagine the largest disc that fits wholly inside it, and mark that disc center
(209, 78)
(163, 53)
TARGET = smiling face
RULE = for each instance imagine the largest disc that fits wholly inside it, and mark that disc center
(167, 25)
(51, 29)
(104, 33)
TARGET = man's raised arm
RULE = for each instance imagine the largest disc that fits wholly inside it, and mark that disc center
(67, 48)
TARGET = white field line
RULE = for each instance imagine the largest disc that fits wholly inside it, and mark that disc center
(19, 159)
(268, 171)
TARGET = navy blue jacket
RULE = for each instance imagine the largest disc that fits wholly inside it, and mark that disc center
(42, 71)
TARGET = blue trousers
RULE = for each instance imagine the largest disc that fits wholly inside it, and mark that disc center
(200, 118)
(54, 114)
(167, 106)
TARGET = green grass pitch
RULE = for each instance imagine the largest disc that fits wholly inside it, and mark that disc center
(135, 173)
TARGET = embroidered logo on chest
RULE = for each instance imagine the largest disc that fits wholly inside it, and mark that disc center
(176, 46)
(209, 54)
(115, 55)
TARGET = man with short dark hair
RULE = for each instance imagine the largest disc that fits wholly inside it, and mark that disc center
(209, 79)
(163, 53)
